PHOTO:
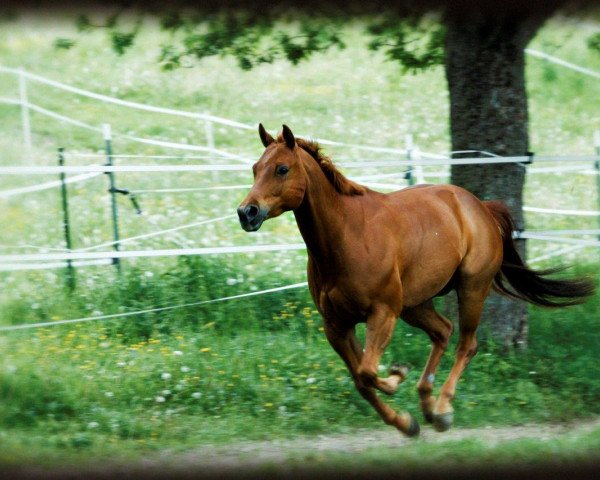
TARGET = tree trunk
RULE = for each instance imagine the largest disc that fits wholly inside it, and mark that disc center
(485, 70)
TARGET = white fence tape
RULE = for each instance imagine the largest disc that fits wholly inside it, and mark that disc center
(54, 170)
(10, 101)
(147, 141)
(9, 328)
(17, 267)
(156, 233)
(558, 211)
(567, 232)
(194, 189)
(560, 239)
(73, 255)
(180, 113)
(47, 185)
(181, 156)
(564, 63)
(570, 168)
(126, 103)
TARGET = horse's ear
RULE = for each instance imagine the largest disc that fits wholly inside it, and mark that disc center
(288, 136)
(265, 137)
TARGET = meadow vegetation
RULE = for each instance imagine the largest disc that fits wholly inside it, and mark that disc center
(256, 367)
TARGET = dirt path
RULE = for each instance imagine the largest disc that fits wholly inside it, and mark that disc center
(277, 452)
(260, 460)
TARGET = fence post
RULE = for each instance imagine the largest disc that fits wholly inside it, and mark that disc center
(210, 134)
(106, 132)
(597, 167)
(408, 174)
(418, 169)
(66, 223)
(24, 101)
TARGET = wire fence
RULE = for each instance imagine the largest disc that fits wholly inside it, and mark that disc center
(411, 157)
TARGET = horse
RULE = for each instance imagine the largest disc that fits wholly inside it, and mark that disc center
(375, 257)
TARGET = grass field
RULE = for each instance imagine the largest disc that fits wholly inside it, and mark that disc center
(256, 368)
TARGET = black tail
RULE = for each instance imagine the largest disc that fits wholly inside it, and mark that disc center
(527, 284)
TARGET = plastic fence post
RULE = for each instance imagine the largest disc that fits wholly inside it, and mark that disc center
(106, 132)
(416, 156)
(66, 224)
(408, 175)
(24, 100)
(210, 136)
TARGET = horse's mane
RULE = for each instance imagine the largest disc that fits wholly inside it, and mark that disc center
(341, 184)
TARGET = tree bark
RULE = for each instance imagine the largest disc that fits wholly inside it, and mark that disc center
(485, 71)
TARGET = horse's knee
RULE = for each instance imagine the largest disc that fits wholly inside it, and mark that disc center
(364, 378)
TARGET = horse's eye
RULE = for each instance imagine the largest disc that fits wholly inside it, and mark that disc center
(281, 170)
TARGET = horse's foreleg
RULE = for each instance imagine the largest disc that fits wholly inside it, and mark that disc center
(470, 306)
(380, 327)
(397, 374)
(439, 329)
(348, 348)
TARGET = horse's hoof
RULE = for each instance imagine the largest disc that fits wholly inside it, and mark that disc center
(401, 370)
(414, 429)
(428, 417)
(443, 421)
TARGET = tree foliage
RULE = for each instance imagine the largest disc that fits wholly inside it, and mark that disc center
(416, 44)
(254, 36)
(409, 32)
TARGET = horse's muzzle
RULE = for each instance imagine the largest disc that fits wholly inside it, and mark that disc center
(251, 217)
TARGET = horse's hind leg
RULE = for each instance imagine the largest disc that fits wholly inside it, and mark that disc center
(439, 329)
(470, 305)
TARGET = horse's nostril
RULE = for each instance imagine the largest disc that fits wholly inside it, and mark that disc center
(251, 212)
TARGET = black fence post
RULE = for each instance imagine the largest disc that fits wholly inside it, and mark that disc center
(106, 131)
(66, 224)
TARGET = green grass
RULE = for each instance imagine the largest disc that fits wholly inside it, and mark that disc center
(254, 368)
(210, 375)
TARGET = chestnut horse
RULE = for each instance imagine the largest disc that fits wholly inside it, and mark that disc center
(374, 257)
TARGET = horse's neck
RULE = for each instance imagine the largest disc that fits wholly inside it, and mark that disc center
(320, 219)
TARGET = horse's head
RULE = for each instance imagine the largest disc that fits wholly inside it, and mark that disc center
(279, 180)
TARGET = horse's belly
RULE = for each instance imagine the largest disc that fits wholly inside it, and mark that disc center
(418, 287)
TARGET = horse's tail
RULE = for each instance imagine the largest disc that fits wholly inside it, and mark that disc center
(527, 284)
